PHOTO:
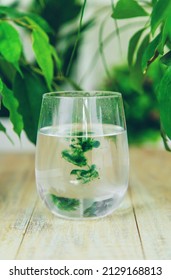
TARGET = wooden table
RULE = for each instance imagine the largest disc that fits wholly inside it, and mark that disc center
(139, 229)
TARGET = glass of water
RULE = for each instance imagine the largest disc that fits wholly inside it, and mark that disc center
(82, 156)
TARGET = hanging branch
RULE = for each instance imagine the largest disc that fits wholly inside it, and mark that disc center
(106, 40)
(101, 49)
(77, 39)
(117, 29)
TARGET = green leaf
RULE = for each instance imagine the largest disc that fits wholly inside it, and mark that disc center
(136, 73)
(3, 129)
(166, 140)
(11, 103)
(8, 71)
(128, 9)
(1, 86)
(10, 44)
(154, 2)
(140, 51)
(164, 98)
(166, 59)
(133, 44)
(40, 21)
(65, 204)
(8, 11)
(159, 12)
(151, 52)
(56, 58)
(166, 33)
(28, 90)
(18, 15)
(42, 50)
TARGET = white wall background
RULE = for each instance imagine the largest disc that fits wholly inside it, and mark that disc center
(115, 53)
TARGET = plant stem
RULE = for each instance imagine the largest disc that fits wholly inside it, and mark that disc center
(117, 29)
(106, 40)
(77, 39)
(101, 51)
(68, 80)
(17, 21)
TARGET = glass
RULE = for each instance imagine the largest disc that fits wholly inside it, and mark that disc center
(82, 153)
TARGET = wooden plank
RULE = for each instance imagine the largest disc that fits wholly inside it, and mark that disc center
(113, 237)
(44, 236)
(17, 200)
(151, 198)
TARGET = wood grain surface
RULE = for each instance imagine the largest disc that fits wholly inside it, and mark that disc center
(139, 229)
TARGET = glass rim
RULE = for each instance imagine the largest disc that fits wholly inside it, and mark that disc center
(82, 94)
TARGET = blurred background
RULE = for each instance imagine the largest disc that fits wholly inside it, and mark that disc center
(99, 63)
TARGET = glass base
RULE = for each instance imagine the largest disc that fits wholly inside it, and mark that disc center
(82, 209)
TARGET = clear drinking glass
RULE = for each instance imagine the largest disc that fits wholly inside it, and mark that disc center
(82, 153)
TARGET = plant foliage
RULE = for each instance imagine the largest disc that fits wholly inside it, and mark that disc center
(128, 9)
(152, 42)
(23, 81)
(141, 108)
